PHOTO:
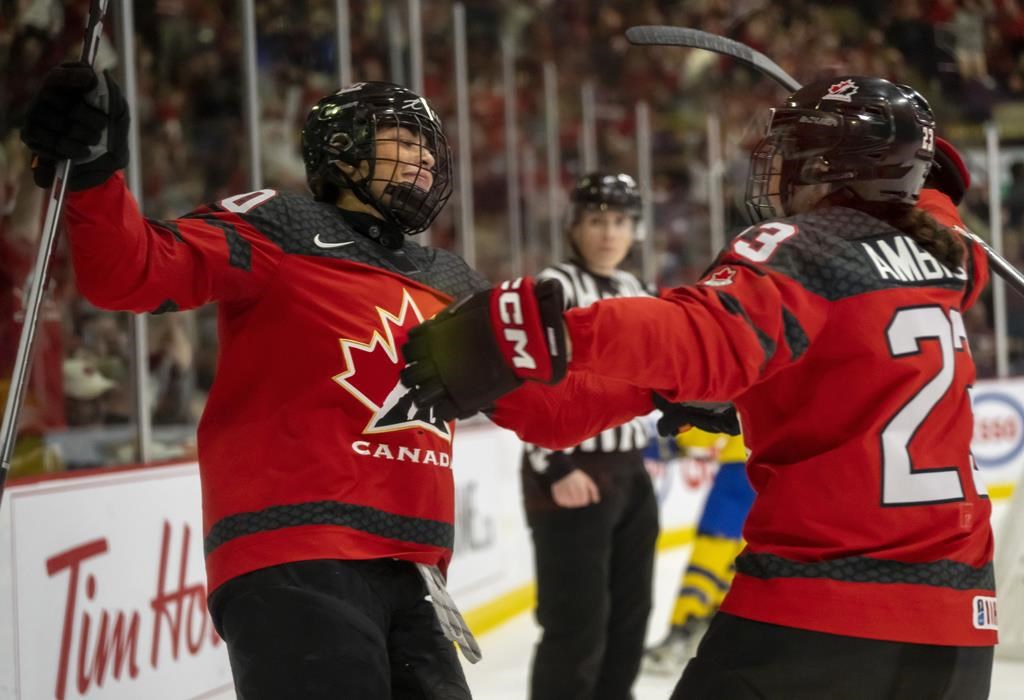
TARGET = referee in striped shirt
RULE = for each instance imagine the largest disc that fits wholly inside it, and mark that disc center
(592, 510)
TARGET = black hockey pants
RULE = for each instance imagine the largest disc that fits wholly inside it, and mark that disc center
(336, 629)
(594, 567)
(741, 659)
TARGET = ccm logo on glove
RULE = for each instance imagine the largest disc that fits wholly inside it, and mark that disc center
(515, 317)
(510, 311)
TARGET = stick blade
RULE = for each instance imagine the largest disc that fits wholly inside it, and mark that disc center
(654, 35)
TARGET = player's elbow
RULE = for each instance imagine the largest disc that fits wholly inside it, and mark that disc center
(95, 292)
(109, 291)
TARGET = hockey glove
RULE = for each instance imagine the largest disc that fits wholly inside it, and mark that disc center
(709, 417)
(80, 116)
(484, 346)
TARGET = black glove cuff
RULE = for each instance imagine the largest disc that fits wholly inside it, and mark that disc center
(709, 417)
(551, 305)
(97, 171)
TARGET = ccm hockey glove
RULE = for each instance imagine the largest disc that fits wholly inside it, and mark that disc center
(77, 116)
(709, 417)
(484, 346)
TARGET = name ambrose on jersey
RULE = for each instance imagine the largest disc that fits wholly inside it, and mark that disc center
(901, 258)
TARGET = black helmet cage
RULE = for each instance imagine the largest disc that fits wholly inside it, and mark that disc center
(346, 128)
(878, 145)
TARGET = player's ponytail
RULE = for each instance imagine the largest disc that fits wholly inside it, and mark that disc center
(942, 243)
(945, 245)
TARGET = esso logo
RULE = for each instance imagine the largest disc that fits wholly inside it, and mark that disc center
(698, 472)
(998, 429)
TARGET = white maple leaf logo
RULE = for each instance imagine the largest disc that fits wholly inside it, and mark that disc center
(371, 375)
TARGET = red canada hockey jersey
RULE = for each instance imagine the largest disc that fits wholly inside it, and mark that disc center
(842, 344)
(309, 447)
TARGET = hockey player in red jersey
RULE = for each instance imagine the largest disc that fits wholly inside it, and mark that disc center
(327, 496)
(834, 324)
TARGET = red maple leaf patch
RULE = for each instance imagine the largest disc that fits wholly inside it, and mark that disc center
(720, 277)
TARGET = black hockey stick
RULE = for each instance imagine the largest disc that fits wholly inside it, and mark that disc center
(1013, 276)
(652, 35)
(36, 283)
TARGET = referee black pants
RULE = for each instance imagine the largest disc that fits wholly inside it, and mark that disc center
(359, 630)
(740, 659)
(594, 567)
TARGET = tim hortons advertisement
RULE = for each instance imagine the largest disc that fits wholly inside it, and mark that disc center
(102, 589)
(106, 590)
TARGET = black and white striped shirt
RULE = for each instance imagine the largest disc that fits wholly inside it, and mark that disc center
(582, 288)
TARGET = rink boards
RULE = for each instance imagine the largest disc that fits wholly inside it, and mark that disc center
(102, 592)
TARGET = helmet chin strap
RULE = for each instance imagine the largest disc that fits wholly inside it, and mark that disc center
(359, 189)
(816, 173)
(804, 198)
(407, 201)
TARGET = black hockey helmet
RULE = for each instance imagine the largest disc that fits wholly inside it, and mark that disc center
(344, 128)
(867, 136)
(603, 191)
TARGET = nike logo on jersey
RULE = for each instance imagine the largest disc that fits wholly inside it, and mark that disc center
(324, 244)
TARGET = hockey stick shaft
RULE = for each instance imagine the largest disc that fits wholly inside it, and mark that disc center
(1002, 267)
(37, 280)
(652, 35)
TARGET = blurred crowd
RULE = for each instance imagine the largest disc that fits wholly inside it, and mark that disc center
(966, 56)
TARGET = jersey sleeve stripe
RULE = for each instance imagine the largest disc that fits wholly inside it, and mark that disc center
(733, 306)
(796, 338)
(167, 306)
(174, 229)
(239, 249)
